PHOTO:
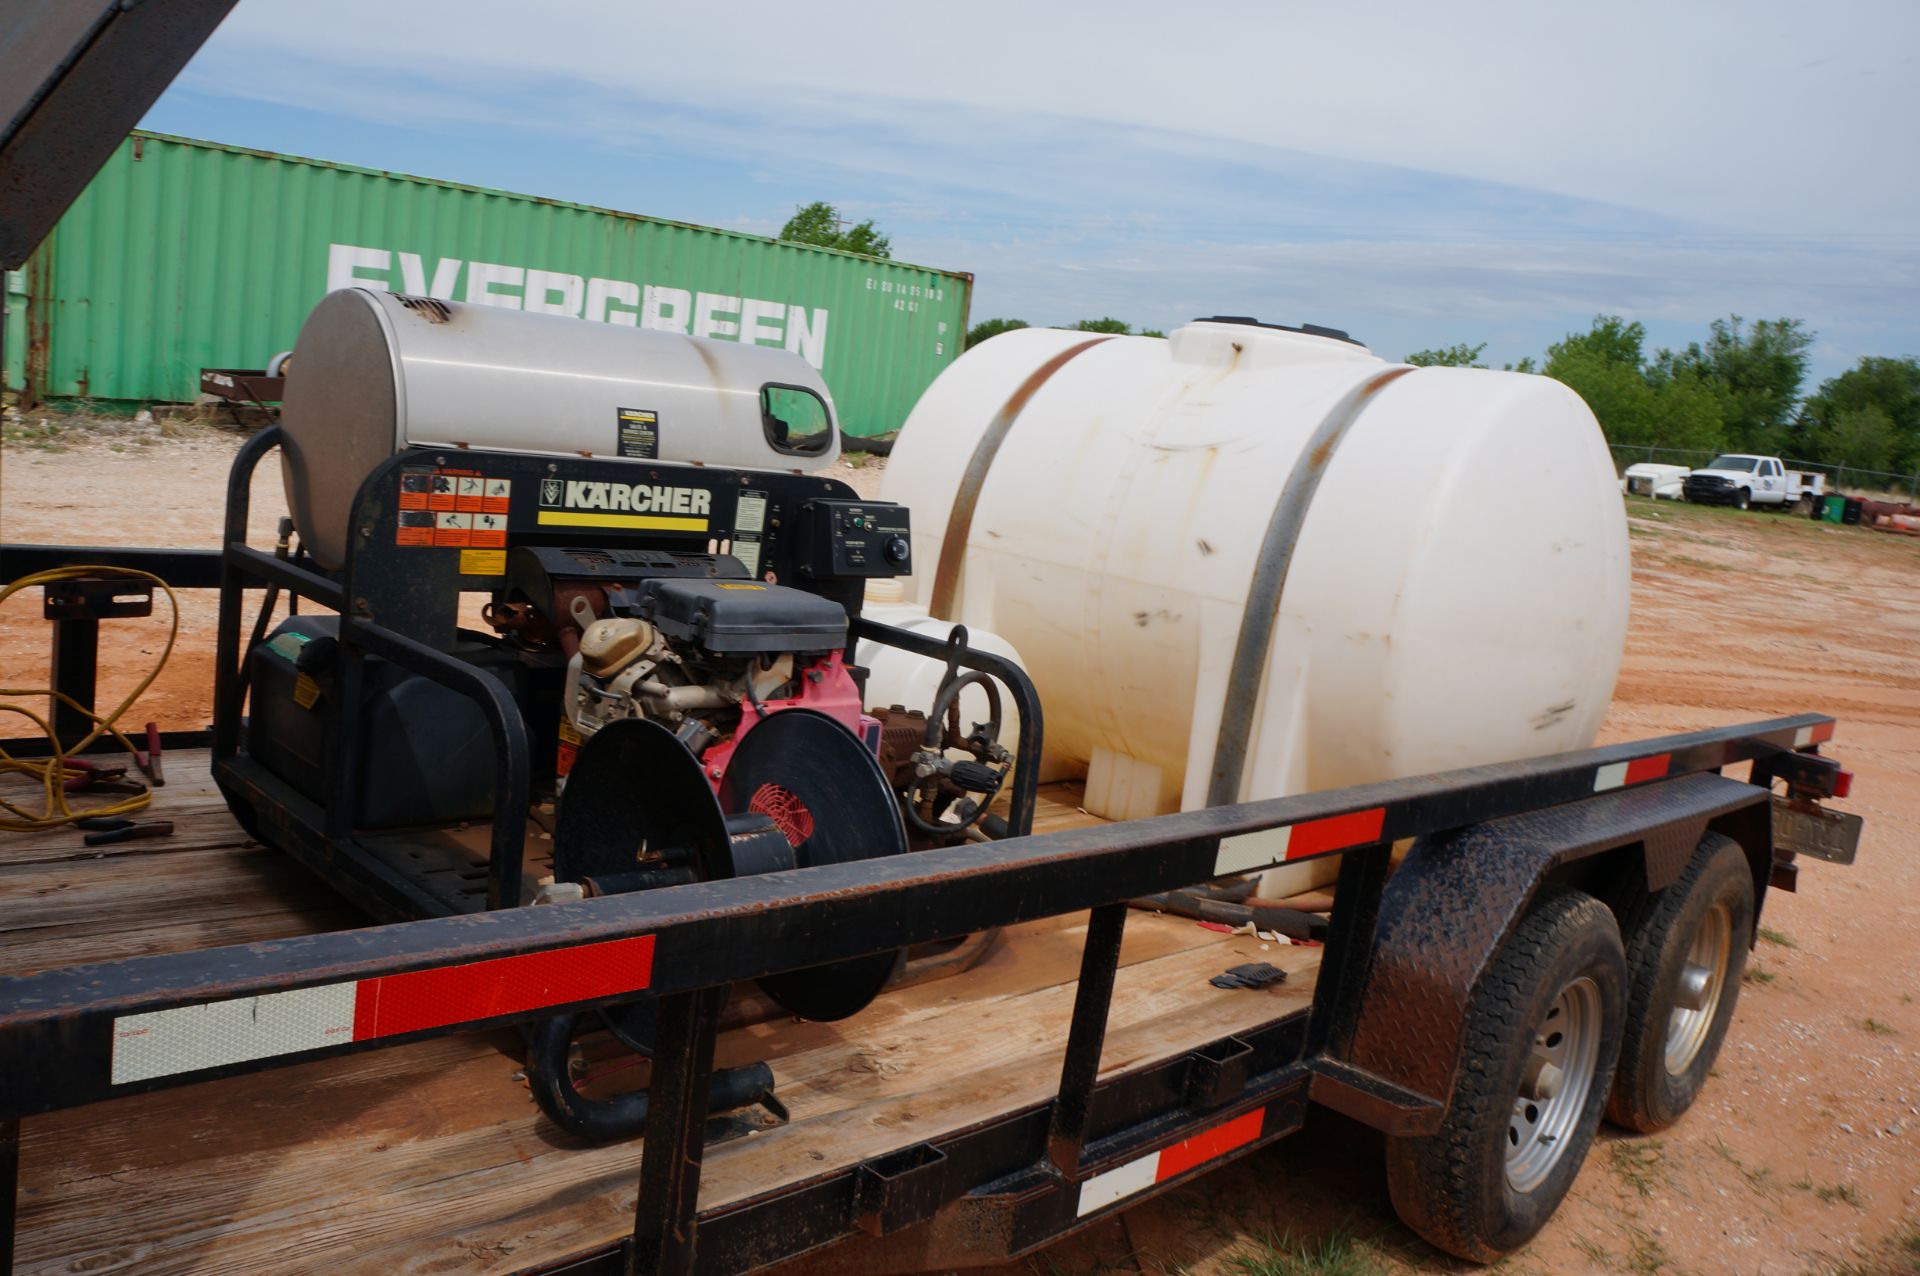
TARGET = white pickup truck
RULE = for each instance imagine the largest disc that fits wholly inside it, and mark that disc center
(1740, 480)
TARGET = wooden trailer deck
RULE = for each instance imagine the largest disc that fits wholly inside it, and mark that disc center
(431, 1157)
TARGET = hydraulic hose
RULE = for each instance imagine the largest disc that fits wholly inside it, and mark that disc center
(549, 1051)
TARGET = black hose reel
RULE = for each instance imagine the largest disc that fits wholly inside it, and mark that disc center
(639, 814)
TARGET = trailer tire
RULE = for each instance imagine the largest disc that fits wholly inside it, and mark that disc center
(1704, 922)
(1457, 1186)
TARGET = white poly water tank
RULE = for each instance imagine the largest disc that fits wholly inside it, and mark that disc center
(1456, 592)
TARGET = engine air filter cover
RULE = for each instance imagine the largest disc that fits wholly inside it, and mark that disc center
(744, 617)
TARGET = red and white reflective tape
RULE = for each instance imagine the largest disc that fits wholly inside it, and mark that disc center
(1618, 775)
(213, 1034)
(1244, 852)
(1138, 1175)
(1813, 735)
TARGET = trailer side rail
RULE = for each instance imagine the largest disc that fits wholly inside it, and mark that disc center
(83, 1034)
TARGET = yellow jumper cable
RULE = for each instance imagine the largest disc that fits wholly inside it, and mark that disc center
(52, 771)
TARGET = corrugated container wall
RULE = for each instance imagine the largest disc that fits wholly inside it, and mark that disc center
(184, 254)
(13, 329)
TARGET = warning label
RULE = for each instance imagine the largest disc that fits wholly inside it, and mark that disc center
(747, 550)
(751, 514)
(415, 527)
(639, 432)
(568, 748)
(489, 531)
(452, 530)
(483, 562)
(415, 487)
(453, 509)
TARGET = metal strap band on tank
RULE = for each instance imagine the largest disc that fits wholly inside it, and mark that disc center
(1269, 580)
(953, 550)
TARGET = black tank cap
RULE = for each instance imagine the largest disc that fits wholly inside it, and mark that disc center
(1309, 329)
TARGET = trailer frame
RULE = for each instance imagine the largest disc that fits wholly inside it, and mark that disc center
(1366, 1045)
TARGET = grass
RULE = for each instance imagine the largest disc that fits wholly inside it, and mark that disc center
(1646, 1255)
(1639, 1163)
(1899, 1251)
(1340, 1253)
(42, 435)
(1760, 1179)
(1777, 937)
(1778, 528)
(1755, 975)
(1840, 1192)
(59, 429)
(1877, 1028)
(1597, 1254)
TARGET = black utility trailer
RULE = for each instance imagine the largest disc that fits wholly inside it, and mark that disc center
(257, 1106)
(207, 1063)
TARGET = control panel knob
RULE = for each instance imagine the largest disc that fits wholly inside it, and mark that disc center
(897, 549)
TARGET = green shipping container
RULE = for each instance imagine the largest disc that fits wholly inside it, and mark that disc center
(183, 255)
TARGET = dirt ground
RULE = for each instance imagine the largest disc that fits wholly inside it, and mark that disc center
(1804, 1153)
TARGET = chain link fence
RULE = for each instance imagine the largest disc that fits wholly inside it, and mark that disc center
(1840, 478)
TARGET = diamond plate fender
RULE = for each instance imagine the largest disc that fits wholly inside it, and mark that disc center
(1455, 898)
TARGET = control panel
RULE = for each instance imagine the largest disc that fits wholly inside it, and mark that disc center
(857, 538)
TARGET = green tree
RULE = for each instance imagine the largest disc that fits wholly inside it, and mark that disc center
(1606, 366)
(1864, 438)
(1603, 366)
(1757, 370)
(1892, 386)
(820, 223)
(1689, 413)
(1611, 340)
(1460, 356)
(990, 328)
(1107, 327)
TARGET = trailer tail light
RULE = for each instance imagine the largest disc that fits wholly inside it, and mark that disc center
(1842, 783)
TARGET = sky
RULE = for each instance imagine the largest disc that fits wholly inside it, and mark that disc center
(1418, 174)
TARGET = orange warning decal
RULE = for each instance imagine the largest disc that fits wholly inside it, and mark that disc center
(452, 530)
(415, 527)
(489, 531)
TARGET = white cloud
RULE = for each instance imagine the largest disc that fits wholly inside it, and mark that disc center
(1768, 116)
(1419, 173)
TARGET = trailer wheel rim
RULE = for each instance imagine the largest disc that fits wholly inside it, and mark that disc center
(1555, 1085)
(1703, 981)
